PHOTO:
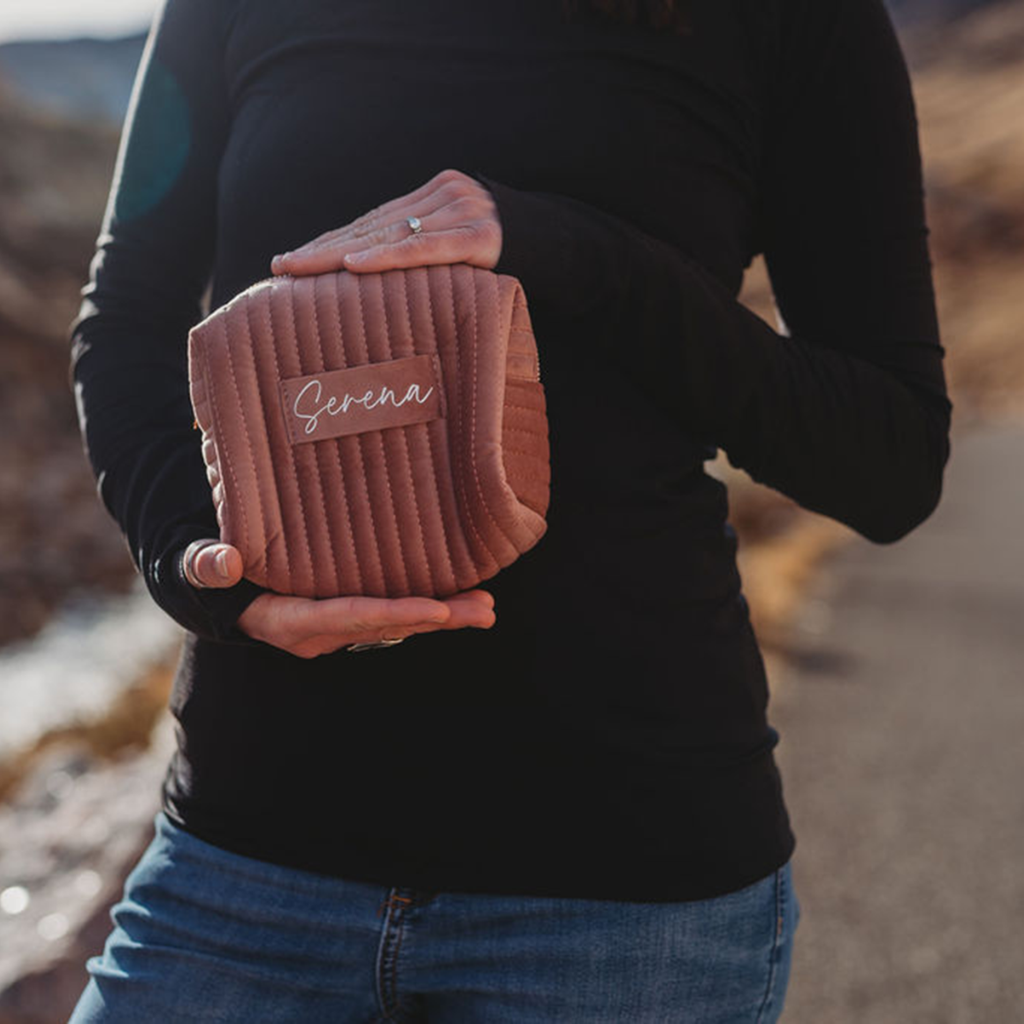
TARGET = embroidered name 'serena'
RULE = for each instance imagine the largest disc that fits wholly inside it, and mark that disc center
(334, 407)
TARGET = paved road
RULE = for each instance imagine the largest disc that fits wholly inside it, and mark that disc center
(902, 757)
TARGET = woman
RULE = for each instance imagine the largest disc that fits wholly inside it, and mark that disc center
(571, 812)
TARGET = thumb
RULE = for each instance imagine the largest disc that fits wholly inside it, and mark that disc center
(210, 563)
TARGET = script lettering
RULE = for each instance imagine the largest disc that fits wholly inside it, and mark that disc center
(310, 398)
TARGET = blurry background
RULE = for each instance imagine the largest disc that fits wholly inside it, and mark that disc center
(896, 671)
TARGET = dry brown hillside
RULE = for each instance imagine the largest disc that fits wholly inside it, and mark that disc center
(971, 109)
(54, 536)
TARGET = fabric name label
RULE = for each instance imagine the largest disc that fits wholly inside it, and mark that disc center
(337, 403)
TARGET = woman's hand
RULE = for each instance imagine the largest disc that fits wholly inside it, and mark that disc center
(308, 628)
(458, 222)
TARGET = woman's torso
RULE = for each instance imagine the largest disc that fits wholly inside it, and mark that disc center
(608, 737)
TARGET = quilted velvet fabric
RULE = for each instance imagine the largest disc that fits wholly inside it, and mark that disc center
(377, 434)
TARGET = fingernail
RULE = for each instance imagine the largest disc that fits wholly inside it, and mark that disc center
(221, 564)
(278, 260)
(355, 257)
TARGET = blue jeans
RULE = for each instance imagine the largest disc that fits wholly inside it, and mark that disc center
(203, 934)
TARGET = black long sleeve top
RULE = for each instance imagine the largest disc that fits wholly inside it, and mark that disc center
(608, 738)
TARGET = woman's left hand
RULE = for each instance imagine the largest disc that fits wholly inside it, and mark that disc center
(458, 221)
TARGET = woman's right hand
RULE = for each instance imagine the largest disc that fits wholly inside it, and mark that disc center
(308, 628)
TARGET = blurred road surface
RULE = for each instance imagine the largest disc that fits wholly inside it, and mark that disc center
(902, 757)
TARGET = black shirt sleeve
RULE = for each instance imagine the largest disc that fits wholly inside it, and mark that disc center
(129, 354)
(846, 411)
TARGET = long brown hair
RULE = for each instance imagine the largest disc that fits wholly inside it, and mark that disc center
(666, 15)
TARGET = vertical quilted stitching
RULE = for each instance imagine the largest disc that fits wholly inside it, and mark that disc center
(472, 412)
(522, 347)
(230, 347)
(355, 444)
(286, 300)
(319, 453)
(389, 569)
(532, 488)
(405, 444)
(463, 449)
(526, 468)
(449, 440)
(269, 308)
(423, 431)
(271, 576)
(337, 455)
(218, 420)
(200, 393)
(273, 580)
